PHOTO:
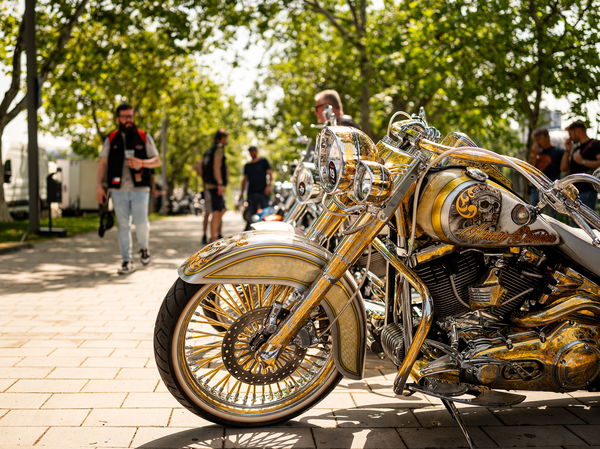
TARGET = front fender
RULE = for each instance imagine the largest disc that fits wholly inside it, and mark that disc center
(257, 257)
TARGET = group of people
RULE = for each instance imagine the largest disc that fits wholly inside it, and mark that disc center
(212, 168)
(129, 155)
(581, 155)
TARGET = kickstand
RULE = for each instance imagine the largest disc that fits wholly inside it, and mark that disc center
(456, 415)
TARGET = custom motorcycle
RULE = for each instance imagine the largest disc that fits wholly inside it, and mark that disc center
(483, 292)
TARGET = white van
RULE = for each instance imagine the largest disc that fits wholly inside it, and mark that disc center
(16, 178)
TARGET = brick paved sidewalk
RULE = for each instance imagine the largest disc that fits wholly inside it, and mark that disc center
(77, 369)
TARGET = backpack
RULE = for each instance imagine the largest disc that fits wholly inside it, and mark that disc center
(141, 133)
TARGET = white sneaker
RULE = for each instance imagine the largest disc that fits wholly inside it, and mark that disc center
(126, 267)
(144, 256)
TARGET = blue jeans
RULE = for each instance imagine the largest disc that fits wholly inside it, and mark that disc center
(128, 206)
(589, 198)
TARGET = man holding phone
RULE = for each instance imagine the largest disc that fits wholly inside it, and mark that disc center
(126, 160)
(582, 155)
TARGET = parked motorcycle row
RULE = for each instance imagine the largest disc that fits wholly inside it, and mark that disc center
(417, 248)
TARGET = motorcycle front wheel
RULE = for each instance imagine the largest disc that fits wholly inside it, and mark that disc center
(203, 350)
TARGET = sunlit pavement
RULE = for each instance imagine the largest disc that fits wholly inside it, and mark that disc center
(77, 369)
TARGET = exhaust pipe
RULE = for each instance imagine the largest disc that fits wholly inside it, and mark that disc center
(562, 309)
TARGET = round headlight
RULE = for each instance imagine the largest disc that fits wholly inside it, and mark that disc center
(340, 149)
(373, 182)
(304, 183)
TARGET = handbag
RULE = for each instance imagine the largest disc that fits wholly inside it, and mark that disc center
(107, 217)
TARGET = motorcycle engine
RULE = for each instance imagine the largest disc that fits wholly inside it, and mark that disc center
(472, 280)
(475, 293)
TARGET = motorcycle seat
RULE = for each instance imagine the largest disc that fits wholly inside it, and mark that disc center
(577, 245)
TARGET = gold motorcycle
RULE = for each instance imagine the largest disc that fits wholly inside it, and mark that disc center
(483, 292)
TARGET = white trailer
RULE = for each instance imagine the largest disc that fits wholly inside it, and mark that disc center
(16, 178)
(78, 185)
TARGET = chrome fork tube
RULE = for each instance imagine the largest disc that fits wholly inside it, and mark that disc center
(294, 213)
(424, 325)
(346, 253)
(324, 227)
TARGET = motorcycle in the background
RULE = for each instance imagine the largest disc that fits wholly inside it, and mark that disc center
(483, 292)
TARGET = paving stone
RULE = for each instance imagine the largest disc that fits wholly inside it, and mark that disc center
(443, 437)
(336, 400)
(47, 386)
(167, 438)
(586, 397)
(120, 385)
(109, 344)
(359, 438)
(79, 437)
(116, 362)
(22, 400)
(83, 373)
(51, 361)
(150, 400)
(375, 417)
(15, 372)
(20, 437)
(440, 417)
(53, 343)
(10, 361)
(126, 418)
(546, 399)
(588, 433)
(137, 373)
(589, 414)
(6, 383)
(24, 352)
(387, 399)
(82, 352)
(509, 436)
(44, 418)
(181, 417)
(266, 437)
(518, 416)
(85, 400)
(313, 418)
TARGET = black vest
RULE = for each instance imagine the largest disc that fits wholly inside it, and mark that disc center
(208, 163)
(116, 156)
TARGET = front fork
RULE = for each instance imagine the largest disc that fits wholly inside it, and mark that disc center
(346, 254)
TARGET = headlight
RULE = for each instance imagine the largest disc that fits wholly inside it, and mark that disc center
(373, 182)
(340, 149)
(304, 183)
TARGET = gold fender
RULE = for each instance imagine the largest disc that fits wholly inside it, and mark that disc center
(256, 257)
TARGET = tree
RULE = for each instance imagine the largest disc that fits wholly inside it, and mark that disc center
(521, 51)
(55, 28)
(182, 24)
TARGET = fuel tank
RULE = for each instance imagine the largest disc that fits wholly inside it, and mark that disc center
(462, 206)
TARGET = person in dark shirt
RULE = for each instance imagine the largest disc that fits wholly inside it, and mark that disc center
(584, 157)
(257, 181)
(546, 158)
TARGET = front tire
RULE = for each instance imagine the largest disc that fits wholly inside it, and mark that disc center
(190, 332)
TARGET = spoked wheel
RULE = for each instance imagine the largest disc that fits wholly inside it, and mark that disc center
(206, 342)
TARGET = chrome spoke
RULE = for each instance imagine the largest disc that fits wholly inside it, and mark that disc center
(256, 387)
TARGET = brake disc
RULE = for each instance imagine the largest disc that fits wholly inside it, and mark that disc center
(242, 360)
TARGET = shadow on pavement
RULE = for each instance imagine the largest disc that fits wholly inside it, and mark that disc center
(86, 260)
(548, 423)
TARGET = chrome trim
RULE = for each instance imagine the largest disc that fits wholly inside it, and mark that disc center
(426, 320)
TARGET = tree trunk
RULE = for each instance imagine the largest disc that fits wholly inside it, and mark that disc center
(163, 170)
(4, 214)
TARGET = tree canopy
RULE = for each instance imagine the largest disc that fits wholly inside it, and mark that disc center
(474, 66)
